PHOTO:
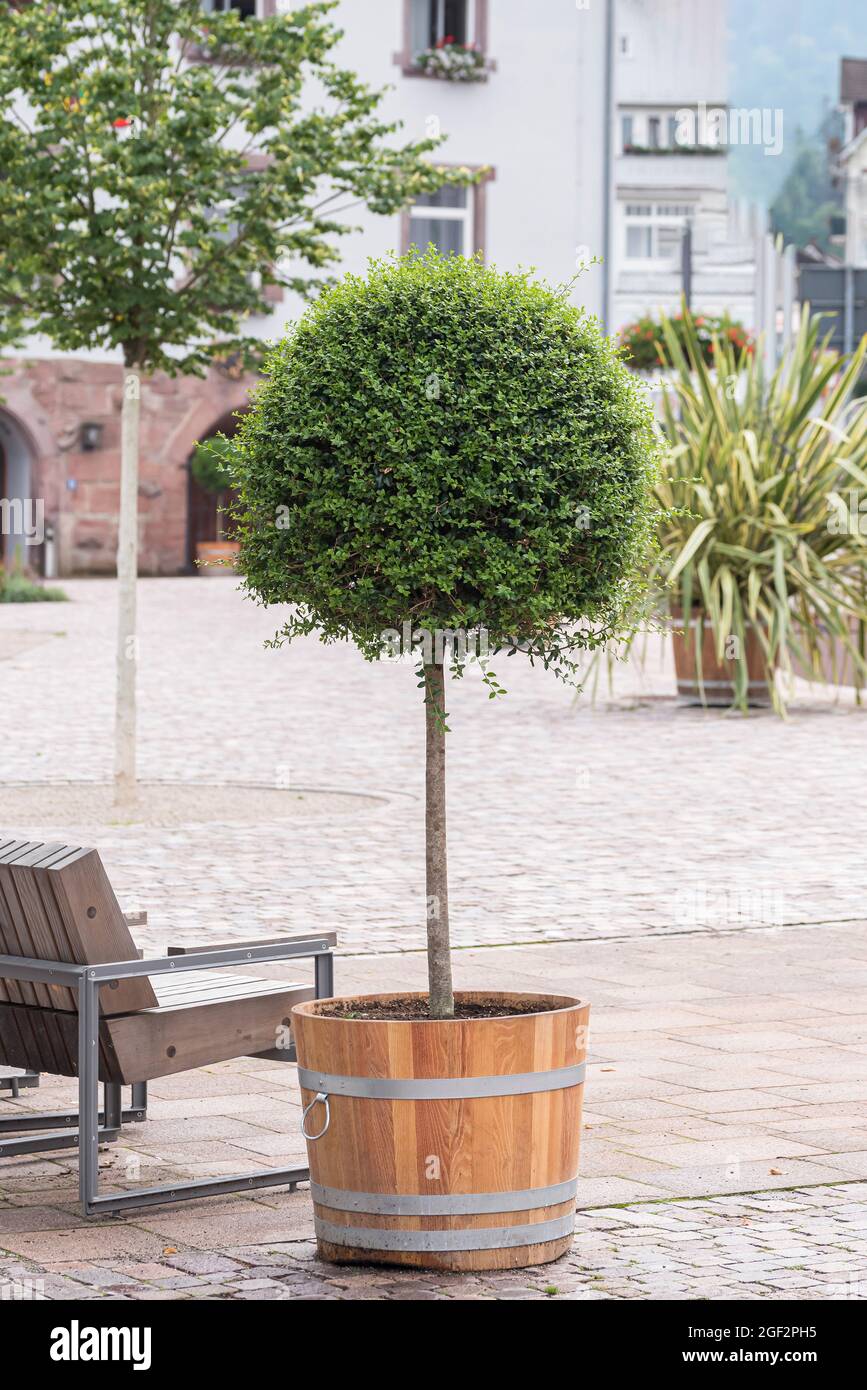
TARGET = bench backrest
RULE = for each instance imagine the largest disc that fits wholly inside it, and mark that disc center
(56, 904)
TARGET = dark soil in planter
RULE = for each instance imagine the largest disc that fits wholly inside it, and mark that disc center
(410, 1010)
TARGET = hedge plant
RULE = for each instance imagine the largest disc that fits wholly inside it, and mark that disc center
(443, 447)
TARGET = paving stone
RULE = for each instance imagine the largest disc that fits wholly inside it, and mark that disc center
(723, 1046)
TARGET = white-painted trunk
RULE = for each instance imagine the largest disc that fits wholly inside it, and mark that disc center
(439, 956)
(127, 573)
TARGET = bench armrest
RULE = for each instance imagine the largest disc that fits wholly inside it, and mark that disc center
(328, 938)
(320, 945)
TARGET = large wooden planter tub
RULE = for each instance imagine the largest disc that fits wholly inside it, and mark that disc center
(447, 1144)
(717, 686)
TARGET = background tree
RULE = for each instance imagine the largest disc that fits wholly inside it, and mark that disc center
(459, 451)
(160, 168)
(807, 201)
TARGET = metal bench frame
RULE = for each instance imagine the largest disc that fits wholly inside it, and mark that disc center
(90, 1125)
(16, 1080)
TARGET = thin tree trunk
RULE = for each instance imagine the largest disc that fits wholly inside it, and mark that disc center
(127, 573)
(439, 959)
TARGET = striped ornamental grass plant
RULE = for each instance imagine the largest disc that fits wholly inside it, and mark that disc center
(761, 523)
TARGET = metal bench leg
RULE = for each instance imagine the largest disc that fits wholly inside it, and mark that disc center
(139, 1109)
(113, 1104)
(324, 967)
(88, 1092)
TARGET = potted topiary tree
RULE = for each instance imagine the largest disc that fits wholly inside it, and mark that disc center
(762, 566)
(443, 458)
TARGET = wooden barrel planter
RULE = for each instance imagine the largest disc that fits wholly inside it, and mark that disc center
(717, 686)
(217, 557)
(444, 1144)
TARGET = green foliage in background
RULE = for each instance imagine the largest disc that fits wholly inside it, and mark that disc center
(448, 445)
(757, 530)
(16, 587)
(162, 166)
(209, 465)
(807, 200)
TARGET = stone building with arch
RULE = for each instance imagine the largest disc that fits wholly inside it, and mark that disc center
(60, 444)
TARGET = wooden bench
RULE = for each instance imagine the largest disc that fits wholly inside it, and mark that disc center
(76, 999)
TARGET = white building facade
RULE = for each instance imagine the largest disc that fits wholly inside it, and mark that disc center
(853, 157)
(580, 118)
(536, 121)
(671, 123)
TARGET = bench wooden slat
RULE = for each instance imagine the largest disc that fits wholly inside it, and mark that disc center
(56, 903)
(224, 987)
(13, 940)
(37, 934)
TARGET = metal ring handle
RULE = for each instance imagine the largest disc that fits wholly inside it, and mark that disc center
(320, 1096)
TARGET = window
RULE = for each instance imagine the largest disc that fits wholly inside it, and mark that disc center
(454, 218)
(245, 8)
(627, 131)
(653, 132)
(433, 20)
(672, 131)
(444, 218)
(428, 23)
(654, 231)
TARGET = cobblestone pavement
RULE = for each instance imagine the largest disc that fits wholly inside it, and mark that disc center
(805, 1244)
(699, 878)
(568, 822)
(729, 1070)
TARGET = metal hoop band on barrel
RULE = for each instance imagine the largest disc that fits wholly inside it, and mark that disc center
(486, 1238)
(442, 1088)
(720, 685)
(453, 1204)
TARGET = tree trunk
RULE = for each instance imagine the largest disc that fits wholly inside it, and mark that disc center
(127, 573)
(439, 959)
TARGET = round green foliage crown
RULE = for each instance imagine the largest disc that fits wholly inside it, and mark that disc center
(444, 444)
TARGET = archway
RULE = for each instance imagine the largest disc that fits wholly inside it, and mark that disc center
(206, 521)
(20, 528)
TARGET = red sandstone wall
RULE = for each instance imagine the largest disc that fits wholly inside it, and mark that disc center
(49, 400)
